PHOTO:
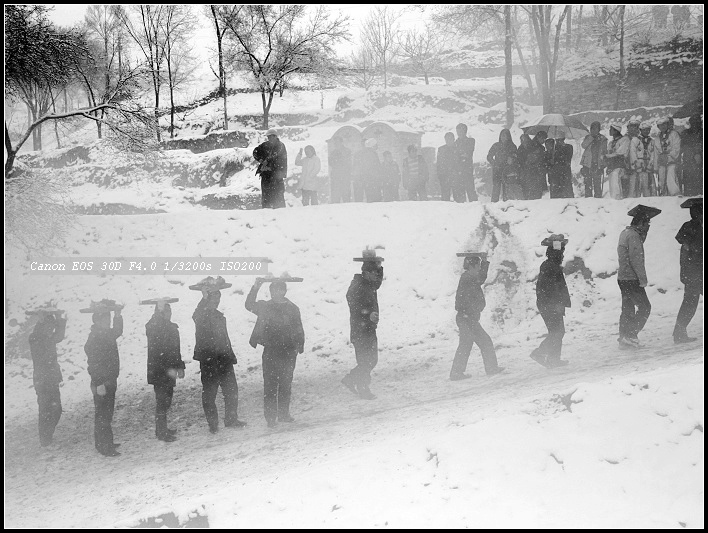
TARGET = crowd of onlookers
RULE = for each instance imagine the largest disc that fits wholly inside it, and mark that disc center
(628, 165)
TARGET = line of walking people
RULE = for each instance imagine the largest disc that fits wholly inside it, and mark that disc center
(279, 330)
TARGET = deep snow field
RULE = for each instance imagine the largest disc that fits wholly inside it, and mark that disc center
(613, 440)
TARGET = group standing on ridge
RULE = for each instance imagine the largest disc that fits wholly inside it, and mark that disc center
(633, 164)
(279, 329)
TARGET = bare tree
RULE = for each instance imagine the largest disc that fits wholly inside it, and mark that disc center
(148, 36)
(274, 42)
(622, 72)
(543, 20)
(216, 12)
(177, 28)
(380, 31)
(362, 66)
(422, 48)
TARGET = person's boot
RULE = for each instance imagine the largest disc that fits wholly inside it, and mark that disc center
(366, 394)
(271, 423)
(234, 424)
(496, 370)
(171, 431)
(681, 336)
(348, 382)
(538, 357)
(457, 376)
(285, 418)
(555, 363)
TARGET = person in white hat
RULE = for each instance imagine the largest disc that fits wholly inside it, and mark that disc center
(272, 160)
(617, 154)
(670, 151)
(646, 167)
(636, 153)
(593, 161)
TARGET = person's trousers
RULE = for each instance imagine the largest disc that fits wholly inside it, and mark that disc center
(278, 368)
(593, 183)
(373, 193)
(444, 189)
(49, 406)
(614, 181)
(366, 350)
(634, 185)
(417, 192)
(272, 192)
(390, 193)
(552, 345)
(358, 191)
(470, 188)
(212, 379)
(471, 331)
(646, 183)
(459, 193)
(103, 415)
(635, 308)
(341, 191)
(309, 197)
(163, 401)
(691, 294)
(668, 181)
(496, 188)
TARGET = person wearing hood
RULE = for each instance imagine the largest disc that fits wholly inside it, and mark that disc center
(469, 304)
(308, 182)
(272, 158)
(101, 349)
(164, 365)
(692, 157)
(646, 166)
(669, 155)
(690, 236)
(552, 298)
(46, 374)
(363, 320)
(502, 157)
(279, 330)
(212, 348)
(560, 178)
(617, 155)
(593, 161)
(632, 276)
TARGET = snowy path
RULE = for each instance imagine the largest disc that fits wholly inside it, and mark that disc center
(46, 488)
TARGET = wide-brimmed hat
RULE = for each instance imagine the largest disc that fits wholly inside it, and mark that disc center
(557, 241)
(44, 310)
(663, 120)
(692, 202)
(369, 255)
(616, 127)
(210, 284)
(104, 306)
(634, 122)
(649, 212)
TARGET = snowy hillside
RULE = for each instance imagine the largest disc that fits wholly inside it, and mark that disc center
(613, 440)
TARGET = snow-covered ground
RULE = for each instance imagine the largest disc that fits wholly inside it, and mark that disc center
(518, 449)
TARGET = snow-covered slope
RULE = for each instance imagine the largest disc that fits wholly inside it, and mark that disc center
(349, 455)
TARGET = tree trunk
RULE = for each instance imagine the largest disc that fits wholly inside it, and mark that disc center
(427, 81)
(524, 67)
(508, 86)
(222, 73)
(622, 72)
(170, 85)
(578, 30)
(603, 21)
(266, 108)
(542, 40)
(56, 123)
(568, 30)
(156, 87)
(10, 161)
(384, 72)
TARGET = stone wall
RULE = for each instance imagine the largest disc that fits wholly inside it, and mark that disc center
(672, 85)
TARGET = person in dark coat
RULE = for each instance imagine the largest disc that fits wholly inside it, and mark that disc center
(552, 298)
(415, 174)
(469, 304)
(363, 320)
(340, 172)
(104, 367)
(532, 171)
(632, 276)
(367, 173)
(692, 157)
(391, 176)
(272, 160)
(502, 157)
(216, 361)
(560, 177)
(164, 365)
(593, 161)
(46, 374)
(447, 166)
(690, 236)
(465, 160)
(279, 330)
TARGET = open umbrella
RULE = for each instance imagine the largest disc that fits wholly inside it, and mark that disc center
(691, 108)
(555, 123)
